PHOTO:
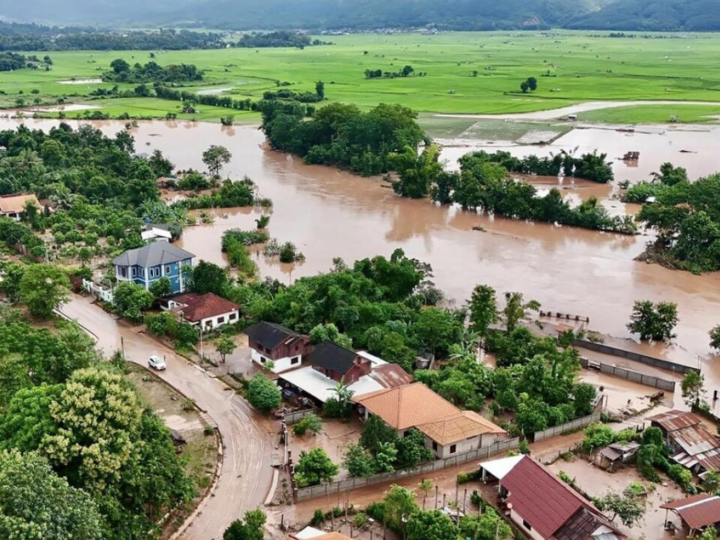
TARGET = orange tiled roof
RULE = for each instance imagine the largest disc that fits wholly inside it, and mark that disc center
(16, 203)
(416, 406)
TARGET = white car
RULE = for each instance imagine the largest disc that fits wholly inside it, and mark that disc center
(157, 363)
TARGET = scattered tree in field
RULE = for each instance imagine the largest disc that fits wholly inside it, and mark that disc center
(530, 84)
(224, 346)
(432, 524)
(628, 506)
(263, 394)
(130, 300)
(161, 288)
(314, 467)
(715, 337)
(43, 288)
(215, 157)
(407, 70)
(251, 528)
(36, 503)
(692, 387)
(320, 89)
(654, 321)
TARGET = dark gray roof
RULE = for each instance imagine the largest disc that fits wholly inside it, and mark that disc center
(153, 255)
(269, 335)
(329, 355)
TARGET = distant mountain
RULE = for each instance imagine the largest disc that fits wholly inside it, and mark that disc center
(308, 14)
(628, 15)
(653, 15)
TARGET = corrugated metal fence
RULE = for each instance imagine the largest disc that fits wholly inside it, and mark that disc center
(564, 428)
(303, 494)
(627, 374)
(296, 416)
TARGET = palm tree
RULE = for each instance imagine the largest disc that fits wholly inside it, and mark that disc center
(516, 309)
(343, 393)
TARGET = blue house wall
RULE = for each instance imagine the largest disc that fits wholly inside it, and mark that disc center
(138, 275)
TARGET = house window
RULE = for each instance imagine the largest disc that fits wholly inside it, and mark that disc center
(295, 360)
(123, 271)
(232, 317)
(435, 447)
(220, 320)
(527, 525)
(453, 448)
(167, 270)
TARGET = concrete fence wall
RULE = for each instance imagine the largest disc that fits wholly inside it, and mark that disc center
(341, 486)
(634, 376)
(564, 428)
(295, 416)
(642, 358)
(106, 295)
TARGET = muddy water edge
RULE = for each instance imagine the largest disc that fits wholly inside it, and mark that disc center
(329, 213)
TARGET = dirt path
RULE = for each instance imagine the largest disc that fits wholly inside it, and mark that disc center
(248, 438)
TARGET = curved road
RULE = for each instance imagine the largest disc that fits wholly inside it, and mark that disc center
(249, 440)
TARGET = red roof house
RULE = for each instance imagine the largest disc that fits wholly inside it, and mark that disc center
(208, 311)
(546, 508)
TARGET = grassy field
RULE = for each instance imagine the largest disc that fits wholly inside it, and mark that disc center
(570, 68)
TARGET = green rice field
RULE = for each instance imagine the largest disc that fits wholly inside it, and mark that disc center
(465, 73)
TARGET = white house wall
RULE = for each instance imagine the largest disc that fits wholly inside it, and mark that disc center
(518, 520)
(212, 323)
(279, 365)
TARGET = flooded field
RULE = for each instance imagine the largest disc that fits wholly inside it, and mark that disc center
(329, 213)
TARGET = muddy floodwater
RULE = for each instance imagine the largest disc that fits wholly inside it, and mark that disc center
(329, 213)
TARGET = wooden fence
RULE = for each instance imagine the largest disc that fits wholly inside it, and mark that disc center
(348, 484)
(564, 428)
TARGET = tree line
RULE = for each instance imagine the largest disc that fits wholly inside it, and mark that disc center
(484, 183)
(122, 72)
(259, 40)
(10, 61)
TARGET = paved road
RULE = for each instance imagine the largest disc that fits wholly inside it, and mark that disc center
(248, 439)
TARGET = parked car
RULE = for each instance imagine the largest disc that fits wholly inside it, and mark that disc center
(157, 363)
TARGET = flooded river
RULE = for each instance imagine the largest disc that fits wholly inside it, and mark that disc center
(328, 213)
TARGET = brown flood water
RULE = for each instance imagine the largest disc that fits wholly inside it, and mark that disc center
(329, 213)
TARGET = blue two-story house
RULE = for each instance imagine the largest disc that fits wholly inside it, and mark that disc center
(149, 263)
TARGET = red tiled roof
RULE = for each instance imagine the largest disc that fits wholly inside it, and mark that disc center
(540, 498)
(697, 511)
(205, 306)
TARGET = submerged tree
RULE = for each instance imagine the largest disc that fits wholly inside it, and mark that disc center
(654, 321)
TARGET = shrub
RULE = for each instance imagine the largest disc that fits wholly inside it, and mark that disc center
(311, 422)
(465, 477)
(376, 511)
(263, 394)
(318, 518)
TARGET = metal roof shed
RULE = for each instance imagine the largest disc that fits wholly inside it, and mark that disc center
(697, 512)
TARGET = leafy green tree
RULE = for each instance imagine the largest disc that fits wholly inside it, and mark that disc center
(487, 526)
(311, 422)
(10, 283)
(36, 503)
(516, 309)
(483, 309)
(692, 387)
(251, 528)
(628, 506)
(417, 173)
(358, 461)
(375, 433)
(224, 346)
(263, 393)
(411, 450)
(314, 467)
(399, 506)
(715, 337)
(130, 300)
(710, 533)
(329, 332)
(208, 278)
(320, 89)
(385, 458)
(44, 287)
(654, 321)
(437, 329)
(433, 524)
(585, 395)
(215, 157)
(597, 436)
(161, 288)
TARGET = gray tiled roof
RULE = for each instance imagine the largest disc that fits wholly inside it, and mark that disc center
(153, 254)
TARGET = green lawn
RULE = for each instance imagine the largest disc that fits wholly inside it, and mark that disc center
(580, 68)
(654, 114)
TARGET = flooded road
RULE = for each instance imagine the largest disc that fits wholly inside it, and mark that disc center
(329, 213)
